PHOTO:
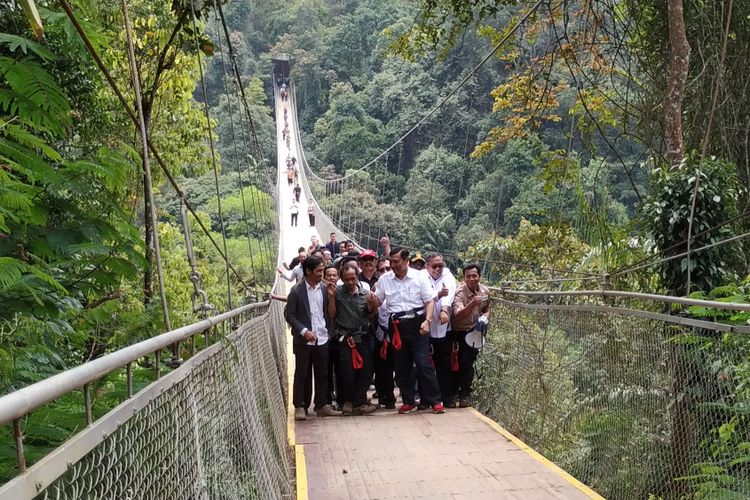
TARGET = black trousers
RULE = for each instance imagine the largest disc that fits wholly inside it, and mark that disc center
(294, 219)
(312, 219)
(304, 356)
(354, 383)
(384, 373)
(467, 355)
(415, 351)
(441, 355)
(334, 375)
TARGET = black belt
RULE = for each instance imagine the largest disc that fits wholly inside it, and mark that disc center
(415, 313)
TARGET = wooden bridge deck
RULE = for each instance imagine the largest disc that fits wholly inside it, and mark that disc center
(460, 454)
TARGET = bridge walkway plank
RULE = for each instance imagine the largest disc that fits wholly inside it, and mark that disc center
(421, 455)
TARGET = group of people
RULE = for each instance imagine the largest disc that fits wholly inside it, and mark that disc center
(355, 315)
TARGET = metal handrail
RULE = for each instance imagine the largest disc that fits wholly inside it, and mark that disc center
(23, 401)
(728, 306)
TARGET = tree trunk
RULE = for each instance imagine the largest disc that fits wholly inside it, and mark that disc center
(148, 273)
(679, 60)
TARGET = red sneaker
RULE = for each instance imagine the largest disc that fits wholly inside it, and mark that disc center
(438, 408)
(407, 408)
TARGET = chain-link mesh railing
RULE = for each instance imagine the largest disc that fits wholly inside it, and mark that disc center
(635, 405)
(215, 428)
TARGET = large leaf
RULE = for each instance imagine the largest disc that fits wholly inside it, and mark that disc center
(16, 42)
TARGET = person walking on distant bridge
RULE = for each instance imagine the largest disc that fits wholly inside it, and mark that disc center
(297, 192)
(333, 245)
(294, 209)
(443, 350)
(471, 311)
(311, 212)
(410, 303)
(306, 314)
(349, 307)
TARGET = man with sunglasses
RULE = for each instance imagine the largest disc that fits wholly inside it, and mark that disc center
(444, 352)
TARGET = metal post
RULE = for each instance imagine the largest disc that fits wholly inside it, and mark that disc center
(87, 403)
(158, 364)
(20, 457)
(130, 380)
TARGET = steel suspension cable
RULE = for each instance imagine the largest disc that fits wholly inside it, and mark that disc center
(257, 150)
(683, 254)
(131, 114)
(209, 132)
(235, 68)
(678, 245)
(453, 92)
(234, 144)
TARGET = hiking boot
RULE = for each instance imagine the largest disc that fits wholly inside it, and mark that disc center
(366, 409)
(300, 414)
(347, 409)
(438, 408)
(464, 403)
(328, 411)
(405, 408)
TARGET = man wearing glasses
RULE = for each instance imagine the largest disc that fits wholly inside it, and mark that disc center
(444, 352)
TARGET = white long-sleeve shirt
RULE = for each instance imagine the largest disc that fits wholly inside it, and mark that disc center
(437, 330)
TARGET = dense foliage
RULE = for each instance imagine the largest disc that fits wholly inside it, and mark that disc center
(549, 159)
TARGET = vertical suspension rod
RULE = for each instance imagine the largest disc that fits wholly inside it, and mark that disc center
(147, 178)
(213, 152)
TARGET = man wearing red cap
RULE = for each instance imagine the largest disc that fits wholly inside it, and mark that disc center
(368, 269)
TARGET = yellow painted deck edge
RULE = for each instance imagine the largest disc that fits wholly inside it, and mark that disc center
(537, 456)
(290, 390)
(299, 455)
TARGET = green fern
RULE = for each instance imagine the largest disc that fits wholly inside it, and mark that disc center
(13, 272)
(33, 96)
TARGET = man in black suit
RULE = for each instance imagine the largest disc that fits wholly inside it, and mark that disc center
(305, 313)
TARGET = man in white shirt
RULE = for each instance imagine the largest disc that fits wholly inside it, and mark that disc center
(306, 314)
(444, 283)
(409, 301)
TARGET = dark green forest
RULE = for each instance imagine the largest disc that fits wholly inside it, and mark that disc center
(562, 152)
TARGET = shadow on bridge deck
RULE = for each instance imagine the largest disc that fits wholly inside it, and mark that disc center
(460, 454)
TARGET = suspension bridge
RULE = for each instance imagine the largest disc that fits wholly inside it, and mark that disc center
(220, 425)
(594, 393)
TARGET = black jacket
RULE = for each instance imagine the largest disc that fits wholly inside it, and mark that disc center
(297, 311)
